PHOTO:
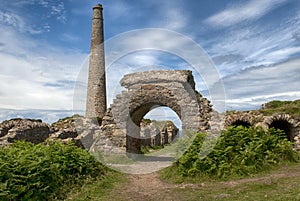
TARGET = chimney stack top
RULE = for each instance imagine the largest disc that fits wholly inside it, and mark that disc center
(98, 6)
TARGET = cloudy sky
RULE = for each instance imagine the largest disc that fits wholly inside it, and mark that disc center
(44, 47)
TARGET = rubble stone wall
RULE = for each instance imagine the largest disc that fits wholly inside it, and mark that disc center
(23, 129)
(145, 91)
(290, 124)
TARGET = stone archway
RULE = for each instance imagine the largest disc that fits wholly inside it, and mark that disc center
(151, 96)
(241, 123)
(283, 122)
(245, 119)
(133, 138)
(284, 126)
(146, 90)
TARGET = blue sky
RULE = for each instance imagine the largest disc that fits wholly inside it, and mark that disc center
(44, 47)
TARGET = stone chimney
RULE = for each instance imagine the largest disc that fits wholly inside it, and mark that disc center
(96, 93)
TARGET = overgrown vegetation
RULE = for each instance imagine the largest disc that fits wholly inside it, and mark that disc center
(276, 106)
(100, 188)
(239, 152)
(44, 172)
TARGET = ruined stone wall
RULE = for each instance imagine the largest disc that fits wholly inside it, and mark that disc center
(23, 129)
(83, 131)
(77, 129)
(145, 91)
(157, 133)
(290, 124)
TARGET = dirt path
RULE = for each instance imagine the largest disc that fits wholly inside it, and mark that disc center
(149, 187)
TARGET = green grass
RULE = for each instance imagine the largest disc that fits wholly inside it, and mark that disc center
(148, 148)
(114, 158)
(263, 188)
(278, 185)
(44, 171)
(53, 171)
(273, 174)
(239, 152)
(277, 107)
(99, 189)
(287, 107)
(278, 189)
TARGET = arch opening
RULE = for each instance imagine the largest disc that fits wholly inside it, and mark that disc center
(241, 123)
(285, 126)
(137, 114)
(156, 126)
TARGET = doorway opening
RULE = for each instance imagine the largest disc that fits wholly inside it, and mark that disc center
(285, 126)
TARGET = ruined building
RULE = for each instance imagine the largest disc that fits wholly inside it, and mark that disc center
(121, 123)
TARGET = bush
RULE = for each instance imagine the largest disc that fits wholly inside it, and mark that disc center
(43, 172)
(145, 149)
(239, 151)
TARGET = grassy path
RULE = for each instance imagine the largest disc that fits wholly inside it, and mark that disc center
(146, 187)
(283, 184)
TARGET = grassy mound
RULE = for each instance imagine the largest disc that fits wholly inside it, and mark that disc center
(276, 106)
(239, 152)
(44, 172)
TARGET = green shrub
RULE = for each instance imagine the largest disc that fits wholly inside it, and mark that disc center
(43, 172)
(239, 151)
(145, 149)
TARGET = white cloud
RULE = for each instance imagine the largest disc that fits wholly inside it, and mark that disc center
(13, 13)
(29, 94)
(58, 10)
(164, 14)
(254, 46)
(252, 87)
(69, 37)
(163, 41)
(131, 63)
(22, 3)
(163, 114)
(48, 116)
(143, 50)
(235, 14)
(16, 21)
(257, 101)
(35, 75)
(174, 19)
(282, 54)
(118, 9)
(140, 59)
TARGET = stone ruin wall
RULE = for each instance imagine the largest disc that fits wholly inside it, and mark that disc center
(82, 131)
(145, 91)
(36, 131)
(23, 129)
(78, 130)
(129, 108)
(291, 124)
(158, 133)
